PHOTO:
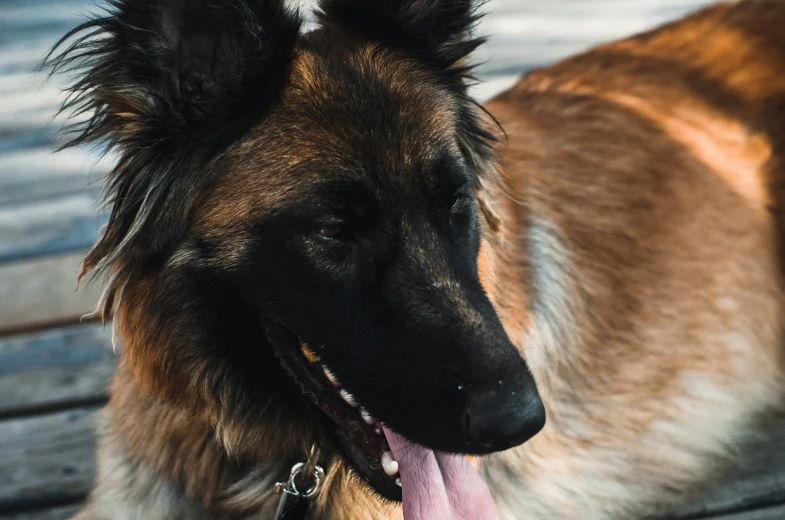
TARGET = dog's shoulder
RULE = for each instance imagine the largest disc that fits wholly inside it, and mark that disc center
(702, 97)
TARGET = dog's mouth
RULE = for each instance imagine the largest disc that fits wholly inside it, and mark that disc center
(431, 484)
(359, 435)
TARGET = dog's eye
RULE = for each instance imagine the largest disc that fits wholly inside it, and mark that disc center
(332, 231)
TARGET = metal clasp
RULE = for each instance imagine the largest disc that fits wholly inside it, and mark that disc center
(288, 489)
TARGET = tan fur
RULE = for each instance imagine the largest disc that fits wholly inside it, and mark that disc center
(632, 250)
(656, 285)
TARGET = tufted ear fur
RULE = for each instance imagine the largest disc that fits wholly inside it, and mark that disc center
(168, 84)
(437, 32)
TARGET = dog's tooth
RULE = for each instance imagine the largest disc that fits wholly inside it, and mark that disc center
(309, 354)
(377, 431)
(389, 464)
(366, 416)
(330, 376)
(398, 482)
(349, 398)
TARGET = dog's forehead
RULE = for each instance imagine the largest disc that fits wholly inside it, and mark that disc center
(349, 112)
(365, 103)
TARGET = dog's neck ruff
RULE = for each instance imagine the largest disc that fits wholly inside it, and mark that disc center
(439, 485)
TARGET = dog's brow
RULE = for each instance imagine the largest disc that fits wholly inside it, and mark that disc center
(340, 194)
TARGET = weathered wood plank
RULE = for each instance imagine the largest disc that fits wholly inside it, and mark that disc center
(775, 513)
(38, 173)
(56, 367)
(64, 225)
(57, 513)
(44, 291)
(46, 459)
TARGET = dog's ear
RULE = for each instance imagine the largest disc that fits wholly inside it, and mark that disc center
(177, 62)
(168, 83)
(437, 32)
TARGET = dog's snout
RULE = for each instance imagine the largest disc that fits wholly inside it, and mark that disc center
(502, 417)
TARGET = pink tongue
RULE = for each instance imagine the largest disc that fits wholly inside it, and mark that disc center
(439, 486)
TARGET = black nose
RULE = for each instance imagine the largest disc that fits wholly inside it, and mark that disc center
(502, 417)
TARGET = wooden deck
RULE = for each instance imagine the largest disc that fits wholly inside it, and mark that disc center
(54, 370)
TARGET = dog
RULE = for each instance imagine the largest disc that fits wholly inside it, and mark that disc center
(320, 243)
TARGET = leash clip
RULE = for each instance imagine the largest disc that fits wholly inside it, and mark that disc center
(288, 490)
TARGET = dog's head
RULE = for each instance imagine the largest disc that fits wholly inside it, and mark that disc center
(294, 234)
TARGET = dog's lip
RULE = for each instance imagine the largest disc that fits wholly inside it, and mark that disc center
(357, 433)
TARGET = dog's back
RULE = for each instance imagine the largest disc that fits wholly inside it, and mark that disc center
(714, 83)
(649, 178)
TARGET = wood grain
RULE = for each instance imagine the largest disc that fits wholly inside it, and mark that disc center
(39, 175)
(49, 458)
(55, 368)
(43, 291)
(66, 224)
(57, 513)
